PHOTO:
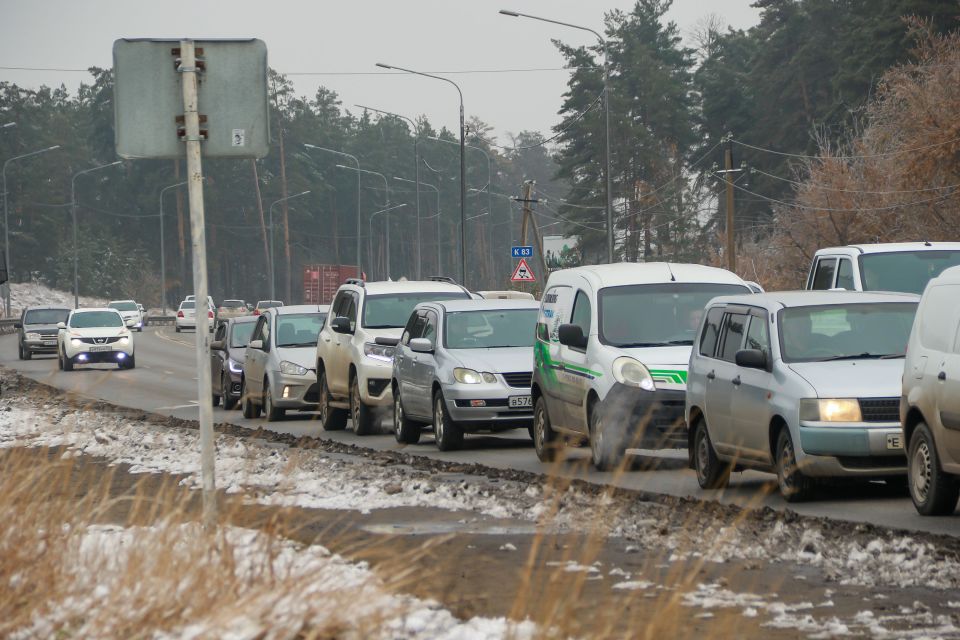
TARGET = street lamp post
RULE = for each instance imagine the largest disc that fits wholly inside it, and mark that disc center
(8, 125)
(606, 113)
(73, 213)
(163, 257)
(463, 174)
(386, 194)
(436, 215)
(370, 226)
(6, 224)
(416, 162)
(273, 262)
(359, 226)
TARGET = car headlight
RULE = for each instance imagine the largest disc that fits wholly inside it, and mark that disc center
(469, 376)
(123, 341)
(292, 369)
(234, 366)
(33, 336)
(631, 372)
(830, 410)
(76, 342)
(381, 352)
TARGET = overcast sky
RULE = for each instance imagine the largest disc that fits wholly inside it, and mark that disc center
(348, 37)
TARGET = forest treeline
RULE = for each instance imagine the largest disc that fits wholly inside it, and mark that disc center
(840, 112)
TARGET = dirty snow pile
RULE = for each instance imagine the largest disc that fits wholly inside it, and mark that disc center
(32, 294)
(278, 589)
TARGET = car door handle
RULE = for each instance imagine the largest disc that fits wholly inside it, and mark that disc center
(711, 376)
(942, 375)
(736, 381)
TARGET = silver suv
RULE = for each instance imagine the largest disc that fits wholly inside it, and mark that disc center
(804, 384)
(464, 366)
(356, 345)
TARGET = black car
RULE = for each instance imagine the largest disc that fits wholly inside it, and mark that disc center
(37, 330)
(227, 352)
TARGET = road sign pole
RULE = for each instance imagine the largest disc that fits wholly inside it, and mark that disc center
(188, 71)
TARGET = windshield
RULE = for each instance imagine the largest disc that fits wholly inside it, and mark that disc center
(124, 306)
(240, 334)
(654, 315)
(907, 271)
(93, 319)
(232, 304)
(299, 330)
(46, 316)
(393, 310)
(851, 331)
(490, 329)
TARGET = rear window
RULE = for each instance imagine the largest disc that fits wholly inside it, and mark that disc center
(188, 305)
(232, 304)
(124, 306)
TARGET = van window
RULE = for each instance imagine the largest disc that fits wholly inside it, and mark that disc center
(938, 322)
(733, 335)
(845, 275)
(907, 271)
(711, 332)
(823, 277)
(758, 336)
(553, 308)
(581, 312)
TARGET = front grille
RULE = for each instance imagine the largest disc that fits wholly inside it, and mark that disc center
(98, 340)
(498, 402)
(872, 462)
(519, 379)
(880, 409)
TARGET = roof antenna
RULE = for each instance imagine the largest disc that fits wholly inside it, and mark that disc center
(926, 243)
(673, 278)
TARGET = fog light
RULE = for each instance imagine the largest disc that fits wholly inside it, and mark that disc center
(121, 355)
(286, 392)
(478, 403)
(82, 356)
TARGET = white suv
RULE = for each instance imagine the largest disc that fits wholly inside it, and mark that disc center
(130, 310)
(901, 266)
(357, 342)
(94, 336)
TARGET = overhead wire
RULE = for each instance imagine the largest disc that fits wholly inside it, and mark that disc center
(846, 157)
(863, 191)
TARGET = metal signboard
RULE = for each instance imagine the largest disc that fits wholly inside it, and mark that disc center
(521, 252)
(231, 97)
(523, 273)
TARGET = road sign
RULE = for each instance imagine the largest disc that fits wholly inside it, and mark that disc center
(231, 98)
(521, 252)
(522, 273)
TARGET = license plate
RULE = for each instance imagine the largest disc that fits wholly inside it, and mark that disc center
(520, 402)
(894, 441)
(49, 342)
(100, 348)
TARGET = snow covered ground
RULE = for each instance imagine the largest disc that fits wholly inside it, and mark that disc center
(31, 294)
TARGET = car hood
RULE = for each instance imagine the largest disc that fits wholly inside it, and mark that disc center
(500, 360)
(237, 354)
(853, 378)
(675, 356)
(373, 334)
(40, 328)
(97, 332)
(304, 356)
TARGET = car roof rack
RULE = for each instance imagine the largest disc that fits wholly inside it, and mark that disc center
(357, 281)
(442, 279)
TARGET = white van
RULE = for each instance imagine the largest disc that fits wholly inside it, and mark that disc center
(904, 266)
(611, 354)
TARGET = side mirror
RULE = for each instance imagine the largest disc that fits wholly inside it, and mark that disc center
(751, 359)
(216, 345)
(571, 335)
(18, 325)
(421, 345)
(256, 344)
(61, 325)
(340, 325)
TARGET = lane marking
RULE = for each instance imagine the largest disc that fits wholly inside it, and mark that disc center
(192, 405)
(163, 336)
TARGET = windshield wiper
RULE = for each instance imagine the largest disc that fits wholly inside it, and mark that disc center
(862, 356)
(299, 344)
(381, 326)
(637, 345)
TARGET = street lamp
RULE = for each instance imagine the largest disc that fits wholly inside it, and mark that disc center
(416, 162)
(359, 226)
(386, 192)
(273, 262)
(436, 215)
(8, 125)
(73, 213)
(606, 113)
(463, 175)
(6, 225)
(370, 226)
(163, 264)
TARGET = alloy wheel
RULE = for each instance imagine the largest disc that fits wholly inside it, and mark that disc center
(921, 471)
(438, 418)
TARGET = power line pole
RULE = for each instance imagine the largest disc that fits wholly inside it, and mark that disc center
(731, 229)
(529, 219)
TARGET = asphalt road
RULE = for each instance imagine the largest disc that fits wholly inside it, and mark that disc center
(164, 382)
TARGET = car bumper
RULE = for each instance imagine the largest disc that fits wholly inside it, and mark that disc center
(294, 392)
(40, 346)
(653, 419)
(487, 403)
(99, 357)
(374, 382)
(827, 451)
(186, 323)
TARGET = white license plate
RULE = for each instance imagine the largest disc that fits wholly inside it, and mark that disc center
(49, 343)
(100, 348)
(894, 441)
(520, 402)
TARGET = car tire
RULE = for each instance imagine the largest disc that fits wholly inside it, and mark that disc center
(711, 472)
(251, 410)
(794, 485)
(27, 354)
(131, 362)
(59, 360)
(546, 442)
(934, 492)
(448, 433)
(331, 418)
(67, 363)
(20, 352)
(176, 329)
(270, 411)
(364, 419)
(606, 449)
(406, 431)
(215, 400)
(229, 402)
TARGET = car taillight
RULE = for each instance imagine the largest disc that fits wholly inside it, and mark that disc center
(179, 314)
(256, 312)
(209, 314)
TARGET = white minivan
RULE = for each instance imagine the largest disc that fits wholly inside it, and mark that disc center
(903, 266)
(611, 354)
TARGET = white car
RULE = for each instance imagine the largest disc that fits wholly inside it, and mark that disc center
(187, 316)
(92, 336)
(357, 342)
(131, 312)
(901, 266)
(611, 353)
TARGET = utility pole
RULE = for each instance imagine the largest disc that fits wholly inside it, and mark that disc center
(731, 230)
(528, 218)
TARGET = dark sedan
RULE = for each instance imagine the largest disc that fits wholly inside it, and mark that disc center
(37, 330)
(227, 352)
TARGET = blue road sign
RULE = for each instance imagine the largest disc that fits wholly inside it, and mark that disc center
(521, 252)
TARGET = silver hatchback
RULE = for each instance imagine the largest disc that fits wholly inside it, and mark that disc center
(803, 384)
(464, 366)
